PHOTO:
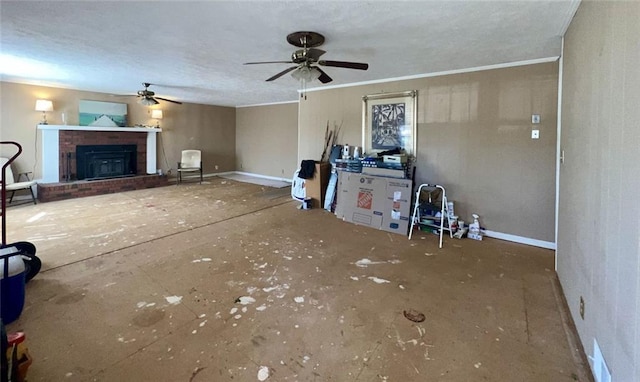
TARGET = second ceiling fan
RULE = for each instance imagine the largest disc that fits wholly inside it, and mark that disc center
(307, 60)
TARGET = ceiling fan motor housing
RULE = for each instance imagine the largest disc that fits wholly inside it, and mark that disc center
(300, 56)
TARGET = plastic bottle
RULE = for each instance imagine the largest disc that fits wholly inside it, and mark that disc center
(345, 151)
(356, 152)
(475, 226)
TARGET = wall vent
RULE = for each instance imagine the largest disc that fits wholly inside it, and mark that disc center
(598, 365)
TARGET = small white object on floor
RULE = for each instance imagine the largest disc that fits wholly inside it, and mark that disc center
(263, 373)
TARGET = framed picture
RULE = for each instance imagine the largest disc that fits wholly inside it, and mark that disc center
(104, 114)
(389, 121)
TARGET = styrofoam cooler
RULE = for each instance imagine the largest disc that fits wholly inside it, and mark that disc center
(12, 285)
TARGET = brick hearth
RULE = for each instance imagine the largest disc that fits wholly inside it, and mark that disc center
(50, 192)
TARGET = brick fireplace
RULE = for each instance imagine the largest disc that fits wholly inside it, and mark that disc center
(60, 178)
(69, 140)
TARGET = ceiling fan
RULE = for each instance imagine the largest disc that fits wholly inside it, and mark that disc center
(307, 60)
(148, 98)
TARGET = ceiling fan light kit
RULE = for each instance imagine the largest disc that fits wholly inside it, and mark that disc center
(306, 74)
(146, 101)
(307, 59)
(149, 98)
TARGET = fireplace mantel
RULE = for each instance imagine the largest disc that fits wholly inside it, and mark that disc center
(51, 147)
(100, 128)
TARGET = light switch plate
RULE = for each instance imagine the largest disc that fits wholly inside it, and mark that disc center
(535, 118)
(535, 134)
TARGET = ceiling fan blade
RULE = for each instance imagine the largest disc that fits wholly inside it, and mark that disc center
(168, 100)
(345, 64)
(282, 73)
(324, 77)
(268, 62)
(315, 54)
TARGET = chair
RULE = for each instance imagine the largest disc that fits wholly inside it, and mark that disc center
(12, 185)
(191, 161)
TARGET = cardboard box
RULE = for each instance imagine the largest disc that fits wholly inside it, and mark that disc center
(364, 200)
(374, 201)
(397, 206)
(316, 187)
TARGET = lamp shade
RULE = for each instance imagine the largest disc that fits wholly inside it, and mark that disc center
(306, 73)
(44, 105)
(156, 114)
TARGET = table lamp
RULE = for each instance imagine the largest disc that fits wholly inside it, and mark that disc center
(44, 105)
(157, 115)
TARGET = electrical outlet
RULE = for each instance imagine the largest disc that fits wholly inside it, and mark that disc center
(581, 307)
(535, 134)
(216, 166)
(535, 118)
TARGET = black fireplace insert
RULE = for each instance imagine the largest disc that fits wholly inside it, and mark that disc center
(105, 161)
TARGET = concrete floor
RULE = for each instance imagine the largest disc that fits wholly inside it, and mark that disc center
(144, 286)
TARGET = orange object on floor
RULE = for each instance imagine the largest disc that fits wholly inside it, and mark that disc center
(18, 347)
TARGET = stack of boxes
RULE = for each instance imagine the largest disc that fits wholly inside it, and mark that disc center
(375, 192)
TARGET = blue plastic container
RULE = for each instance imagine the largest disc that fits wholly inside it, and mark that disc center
(12, 285)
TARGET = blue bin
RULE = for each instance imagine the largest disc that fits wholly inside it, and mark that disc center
(12, 284)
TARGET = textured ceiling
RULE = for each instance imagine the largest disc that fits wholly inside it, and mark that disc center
(194, 51)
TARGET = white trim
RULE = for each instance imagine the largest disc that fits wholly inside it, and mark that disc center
(263, 176)
(521, 239)
(267, 104)
(218, 174)
(193, 175)
(209, 175)
(100, 128)
(443, 73)
(151, 153)
(558, 149)
(50, 156)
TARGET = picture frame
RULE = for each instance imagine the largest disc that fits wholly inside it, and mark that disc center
(103, 114)
(389, 121)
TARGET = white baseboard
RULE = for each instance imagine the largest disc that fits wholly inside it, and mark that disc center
(521, 239)
(209, 175)
(218, 174)
(263, 176)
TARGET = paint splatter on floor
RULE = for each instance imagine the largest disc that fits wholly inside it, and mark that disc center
(263, 373)
(203, 260)
(173, 300)
(245, 300)
(378, 280)
(363, 263)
